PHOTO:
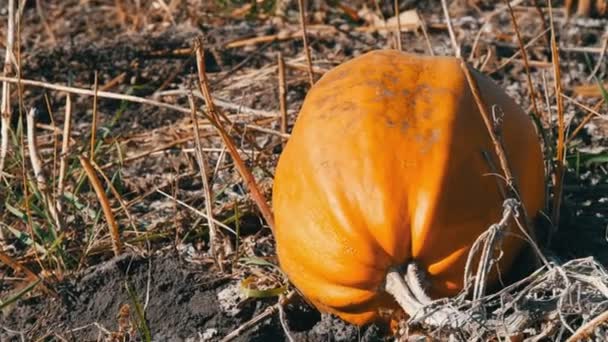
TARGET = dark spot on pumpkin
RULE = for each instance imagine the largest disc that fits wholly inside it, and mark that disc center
(387, 93)
(426, 114)
(348, 106)
(350, 124)
(339, 75)
(343, 108)
(390, 77)
(321, 101)
(382, 93)
(404, 126)
(373, 83)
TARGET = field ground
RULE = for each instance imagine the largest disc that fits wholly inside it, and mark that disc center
(60, 279)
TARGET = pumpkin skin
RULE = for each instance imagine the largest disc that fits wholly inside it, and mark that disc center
(384, 166)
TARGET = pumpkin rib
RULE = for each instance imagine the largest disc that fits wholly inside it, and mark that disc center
(338, 221)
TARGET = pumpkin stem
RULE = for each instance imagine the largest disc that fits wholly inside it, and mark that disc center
(398, 288)
(411, 296)
(414, 278)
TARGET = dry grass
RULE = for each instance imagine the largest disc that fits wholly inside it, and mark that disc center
(54, 223)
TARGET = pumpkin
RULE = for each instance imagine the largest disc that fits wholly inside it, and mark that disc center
(387, 165)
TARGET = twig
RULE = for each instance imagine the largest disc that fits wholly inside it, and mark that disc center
(524, 56)
(282, 93)
(592, 112)
(5, 106)
(213, 117)
(311, 77)
(283, 318)
(587, 329)
(105, 205)
(396, 5)
(257, 319)
(450, 28)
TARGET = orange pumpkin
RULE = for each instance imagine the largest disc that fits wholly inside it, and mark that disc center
(386, 166)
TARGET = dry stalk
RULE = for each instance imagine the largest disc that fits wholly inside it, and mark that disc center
(543, 21)
(105, 204)
(194, 210)
(561, 129)
(90, 92)
(136, 99)
(221, 103)
(502, 157)
(117, 195)
(455, 44)
(214, 235)
(213, 116)
(302, 8)
(423, 26)
(601, 59)
(33, 149)
(317, 29)
(282, 93)
(524, 55)
(518, 52)
(45, 22)
(94, 122)
(41, 180)
(397, 14)
(513, 190)
(5, 106)
(488, 239)
(65, 146)
(53, 128)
